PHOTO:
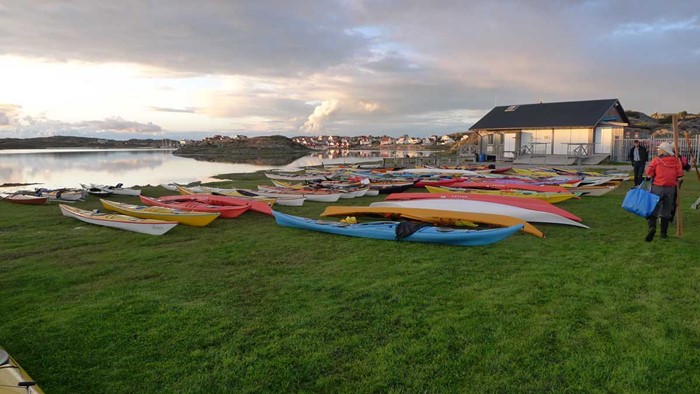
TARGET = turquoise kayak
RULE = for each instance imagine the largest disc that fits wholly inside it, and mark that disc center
(387, 231)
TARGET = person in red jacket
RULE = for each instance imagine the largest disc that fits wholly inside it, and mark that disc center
(666, 170)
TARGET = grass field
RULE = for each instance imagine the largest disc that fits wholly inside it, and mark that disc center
(246, 306)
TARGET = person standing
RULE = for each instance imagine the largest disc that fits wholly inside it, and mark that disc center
(666, 171)
(638, 156)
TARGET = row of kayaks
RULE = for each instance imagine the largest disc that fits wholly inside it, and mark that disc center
(159, 215)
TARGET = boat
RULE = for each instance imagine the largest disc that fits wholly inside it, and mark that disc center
(26, 199)
(225, 211)
(527, 203)
(118, 189)
(118, 221)
(61, 194)
(594, 191)
(434, 216)
(211, 199)
(197, 219)
(386, 187)
(96, 191)
(286, 176)
(13, 378)
(515, 186)
(386, 230)
(552, 198)
(483, 207)
(309, 194)
(286, 200)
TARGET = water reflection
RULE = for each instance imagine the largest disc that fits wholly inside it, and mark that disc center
(70, 167)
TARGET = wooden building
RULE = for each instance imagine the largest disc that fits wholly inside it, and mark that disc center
(572, 131)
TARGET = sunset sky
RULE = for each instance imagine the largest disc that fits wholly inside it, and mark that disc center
(187, 69)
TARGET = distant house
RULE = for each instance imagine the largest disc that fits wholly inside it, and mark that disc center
(574, 128)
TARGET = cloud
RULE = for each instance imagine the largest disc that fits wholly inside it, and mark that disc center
(9, 114)
(177, 110)
(314, 123)
(13, 123)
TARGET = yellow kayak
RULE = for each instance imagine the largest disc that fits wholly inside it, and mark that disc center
(551, 198)
(197, 219)
(14, 379)
(434, 216)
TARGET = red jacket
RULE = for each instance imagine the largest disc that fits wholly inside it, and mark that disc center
(665, 170)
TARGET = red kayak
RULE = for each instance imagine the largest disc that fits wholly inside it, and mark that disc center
(226, 211)
(437, 182)
(212, 199)
(26, 199)
(534, 204)
(511, 186)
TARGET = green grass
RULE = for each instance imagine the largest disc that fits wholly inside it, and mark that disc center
(246, 306)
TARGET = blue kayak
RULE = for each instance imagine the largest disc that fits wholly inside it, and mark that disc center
(387, 231)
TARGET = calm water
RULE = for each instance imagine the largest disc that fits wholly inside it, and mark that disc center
(54, 168)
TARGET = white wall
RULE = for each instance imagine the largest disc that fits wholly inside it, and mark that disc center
(562, 137)
(537, 135)
(603, 140)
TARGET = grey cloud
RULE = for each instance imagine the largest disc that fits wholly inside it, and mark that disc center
(420, 62)
(231, 37)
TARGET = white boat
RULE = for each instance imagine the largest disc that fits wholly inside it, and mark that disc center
(118, 189)
(121, 222)
(311, 195)
(482, 207)
(288, 201)
(426, 171)
(295, 177)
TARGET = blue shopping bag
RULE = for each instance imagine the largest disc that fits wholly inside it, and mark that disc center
(640, 201)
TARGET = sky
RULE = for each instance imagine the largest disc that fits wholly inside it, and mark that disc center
(188, 69)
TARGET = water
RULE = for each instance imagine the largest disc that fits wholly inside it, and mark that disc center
(55, 168)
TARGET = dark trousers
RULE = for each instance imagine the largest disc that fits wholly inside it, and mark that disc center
(638, 167)
(667, 202)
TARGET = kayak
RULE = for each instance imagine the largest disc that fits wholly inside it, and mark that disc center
(121, 222)
(552, 198)
(387, 231)
(482, 207)
(13, 378)
(434, 216)
(197, 219)
(212, 199)
(226, 211)
(527, 203)
(25, 199)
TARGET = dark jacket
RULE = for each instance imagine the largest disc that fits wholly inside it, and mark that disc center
(643, 155)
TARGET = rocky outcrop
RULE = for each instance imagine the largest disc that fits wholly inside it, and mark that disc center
(273, 148)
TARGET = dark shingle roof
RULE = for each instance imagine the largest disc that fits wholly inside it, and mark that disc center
(566, 114)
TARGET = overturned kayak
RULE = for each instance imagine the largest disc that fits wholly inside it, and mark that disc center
(534, 204)
(482, 207)
(388, 231)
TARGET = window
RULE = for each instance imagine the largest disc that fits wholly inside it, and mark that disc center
(511, 108)
(489, 139)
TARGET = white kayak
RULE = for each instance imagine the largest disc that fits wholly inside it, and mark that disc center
(482, 207)
(118, 189)
(122, 222)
